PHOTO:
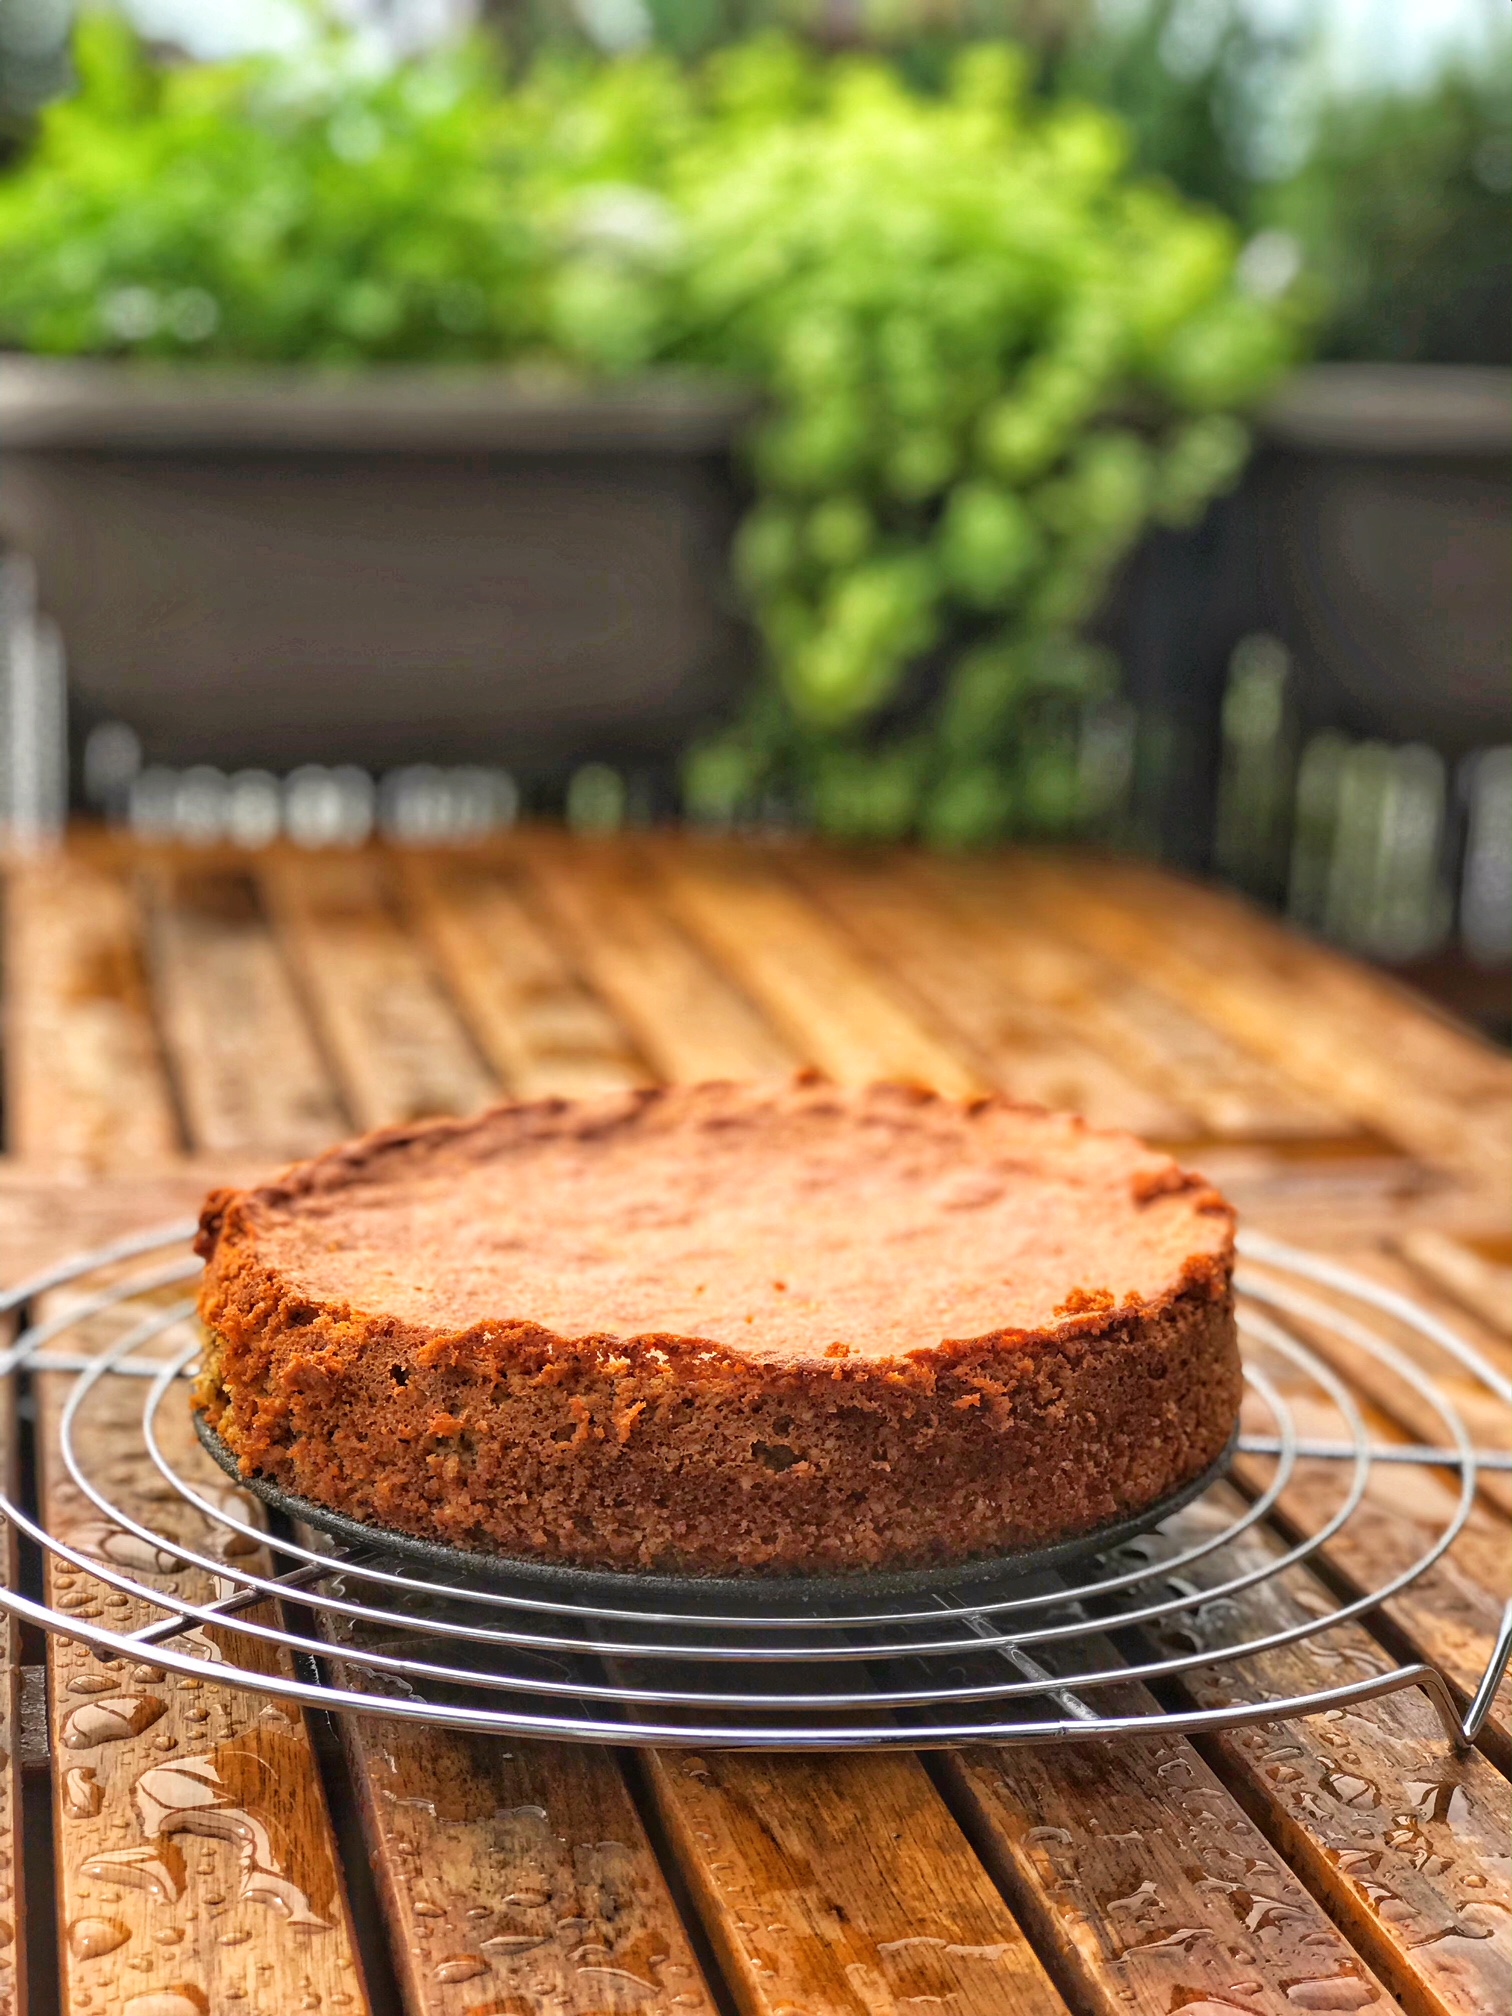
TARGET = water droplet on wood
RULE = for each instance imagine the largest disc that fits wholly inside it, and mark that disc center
(81, 1792)
(96, 1722)
(126, 1550)
(138, 1869)
(1335, 1991)
(464, 1967)
(175, 2001)
(88, 1938)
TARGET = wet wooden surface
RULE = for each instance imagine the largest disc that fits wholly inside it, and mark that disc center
(175, 1018)
(192, 1846)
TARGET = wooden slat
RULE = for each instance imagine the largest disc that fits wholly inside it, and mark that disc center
(541, 1030)
(518, 1877)
(1312, 1199)
(992, 997)
(1450, 1614)
(1367, 1373)
(85, 1088)
(13, 1969)
(686, 1019)
(249, 1071)
(92, 1084)
(195, 1856)
(1481, 1287)
(833, 1009)
(519, 1873)
(45, 1217)
(1331, 1027)
(1235, 1094)
(394, 1039)
(842, 1887)
(1404, 1840)
(1136, 1870)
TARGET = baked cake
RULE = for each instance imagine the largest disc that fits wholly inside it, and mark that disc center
(727, 1329)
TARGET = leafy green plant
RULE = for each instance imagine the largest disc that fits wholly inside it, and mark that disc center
(990, 355)
(993, 359)
(321, 213)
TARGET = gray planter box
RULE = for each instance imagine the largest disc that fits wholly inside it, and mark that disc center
(1371, 534)
(1385, 546)
(276, 567)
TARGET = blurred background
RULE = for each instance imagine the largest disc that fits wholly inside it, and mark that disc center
(956, 420)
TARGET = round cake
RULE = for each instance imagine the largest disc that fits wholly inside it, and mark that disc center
(727, 1330)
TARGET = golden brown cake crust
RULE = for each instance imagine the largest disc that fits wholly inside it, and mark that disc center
(727, 1329)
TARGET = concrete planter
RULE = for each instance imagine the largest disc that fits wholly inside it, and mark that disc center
(275, 567)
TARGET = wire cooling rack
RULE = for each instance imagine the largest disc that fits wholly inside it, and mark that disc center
(144, 1522)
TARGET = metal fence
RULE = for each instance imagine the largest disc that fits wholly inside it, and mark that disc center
(1386, 850)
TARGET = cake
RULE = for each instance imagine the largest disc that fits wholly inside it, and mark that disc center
(726, 1330)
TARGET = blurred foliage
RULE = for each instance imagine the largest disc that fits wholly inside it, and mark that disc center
(920, 35)
(990, 355)
(995, 357)
(1403, 213)
(1204, 89)
(1397, 200)
(328, 211)
(33, 64)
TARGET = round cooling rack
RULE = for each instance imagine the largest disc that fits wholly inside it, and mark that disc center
(1255, 1556)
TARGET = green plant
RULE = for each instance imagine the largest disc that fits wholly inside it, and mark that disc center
(1403, 211)
(990, 355)
(993, 358)
(322, 212)
(1206, 91)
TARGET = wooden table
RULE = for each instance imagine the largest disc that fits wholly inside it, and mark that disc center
(173, 1018)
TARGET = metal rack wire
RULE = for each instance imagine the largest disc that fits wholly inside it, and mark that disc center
(1020, 1658)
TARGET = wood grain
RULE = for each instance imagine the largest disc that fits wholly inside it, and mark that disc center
(1367, 1373)
(1482, 1287)
(1404, 1840)
(1133, 1866)
(994, 998)
(1334, 1029)
(840, 1886)
(518, 1878)
(250, 1075)
(685, 1018)
(833, 1009)
(194, 1852)
(48, 1216)
(85, 1087)
(541, 1029)
(393, 1038)
(1450, 1614)
(1235, 1095)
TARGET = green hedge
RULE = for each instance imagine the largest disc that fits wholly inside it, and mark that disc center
(990, 355)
